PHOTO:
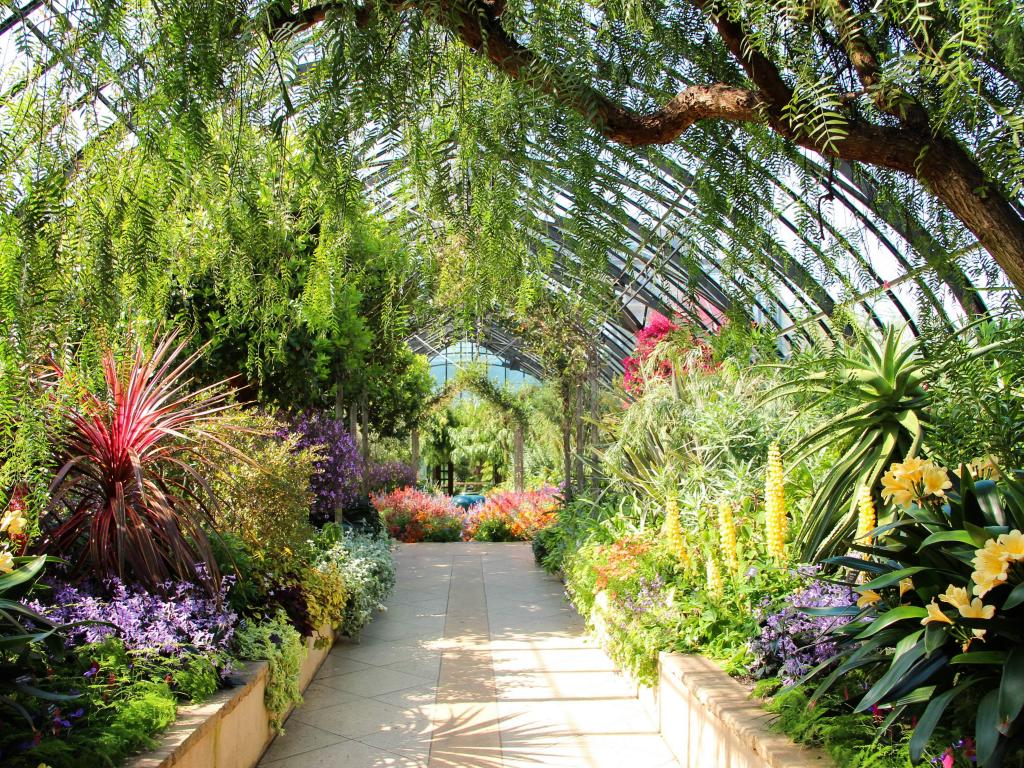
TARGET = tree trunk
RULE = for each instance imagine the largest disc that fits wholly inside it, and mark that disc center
(567, 439)
(414, 447)
(581, 439)
(364, 409)
(437, 475)
(339, 415)
(518, 472)
(451, 478)
(594, 406)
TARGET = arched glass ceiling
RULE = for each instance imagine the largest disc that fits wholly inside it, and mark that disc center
(504, 365)
(826, 237)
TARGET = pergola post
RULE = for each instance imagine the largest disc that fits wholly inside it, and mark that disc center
(518, 470)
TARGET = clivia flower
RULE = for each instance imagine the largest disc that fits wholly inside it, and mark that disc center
(935, 615)
(868, 597)
(992, 562)
(6, 561)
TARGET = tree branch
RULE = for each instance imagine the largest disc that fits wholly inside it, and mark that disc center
(939, 162)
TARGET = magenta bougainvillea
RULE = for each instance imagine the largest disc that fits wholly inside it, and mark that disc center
(648, 338)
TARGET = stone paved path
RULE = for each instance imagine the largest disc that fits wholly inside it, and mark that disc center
(479, 662)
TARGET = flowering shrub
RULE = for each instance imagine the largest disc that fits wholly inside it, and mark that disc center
(367, 568)
(339, 470)
(180, 621)
(791, 641)
(387, 476)
(411, 515)
(644, 365)
(511, 516)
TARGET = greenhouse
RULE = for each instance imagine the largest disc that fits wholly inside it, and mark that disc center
(488, 383)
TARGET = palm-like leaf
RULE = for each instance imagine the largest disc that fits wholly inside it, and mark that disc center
(131, 499)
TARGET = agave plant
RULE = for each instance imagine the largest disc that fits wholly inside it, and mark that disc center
(883, 384)
(936, 624)
(131, 498)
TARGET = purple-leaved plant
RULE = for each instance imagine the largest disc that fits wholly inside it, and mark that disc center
(791, 641)
(183, 620)
(337, 484)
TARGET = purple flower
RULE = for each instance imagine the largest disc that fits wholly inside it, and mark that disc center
(791, 642)
(181, 620)
(338, 481)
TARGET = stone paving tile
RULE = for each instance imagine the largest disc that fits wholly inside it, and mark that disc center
(479, 662)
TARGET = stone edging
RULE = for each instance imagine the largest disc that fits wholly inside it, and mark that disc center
(710, 721)
(232, 728)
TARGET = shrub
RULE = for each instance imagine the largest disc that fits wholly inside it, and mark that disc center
(129, 499)
(387, 476)
(512, 516)
(367, 568)
(411, 516)
(266, 500)
(336, 483)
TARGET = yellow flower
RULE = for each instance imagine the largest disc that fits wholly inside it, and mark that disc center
(868, 597)
(906, 585)
(956, 596)
(935, 480)
(14, 522)
(673, 531)
(775, 505)
(866, 518)
(1013, 544)
(985, 468)
(977, 610)
(895, 490)
(727, 535)
(6, 562)
(714, 577)
(935, 614)
(990, 567)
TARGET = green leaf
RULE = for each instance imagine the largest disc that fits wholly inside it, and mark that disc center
(997, 658)
(930, 718)
(1015, 598)
(894, 577)
(1011, 690)
(960, 537)
(986, 725)
(891, 617)
(892, 677)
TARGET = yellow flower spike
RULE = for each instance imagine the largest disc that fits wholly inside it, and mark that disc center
(868, 597)
(6, 562)
(867, 519)
(714, 577)
(727, 535)
(775, 505)
(673, 531)
(935, 615)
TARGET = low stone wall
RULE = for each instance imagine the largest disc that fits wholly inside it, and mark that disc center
(709, 721)
(232, 729)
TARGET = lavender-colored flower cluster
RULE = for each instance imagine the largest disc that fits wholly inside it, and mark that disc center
(649, 596)
(184, 620)
(791, 642)
(387, 476)
(337, 484)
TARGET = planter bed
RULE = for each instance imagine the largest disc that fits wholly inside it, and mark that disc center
(709, 720)
(232, 729)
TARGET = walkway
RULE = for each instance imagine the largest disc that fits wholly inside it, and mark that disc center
(479, 662)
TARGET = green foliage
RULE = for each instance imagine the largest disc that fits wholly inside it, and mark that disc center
(281, 646)
(265, 500)
(931, 641)
(880, 383)
(368, 571)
